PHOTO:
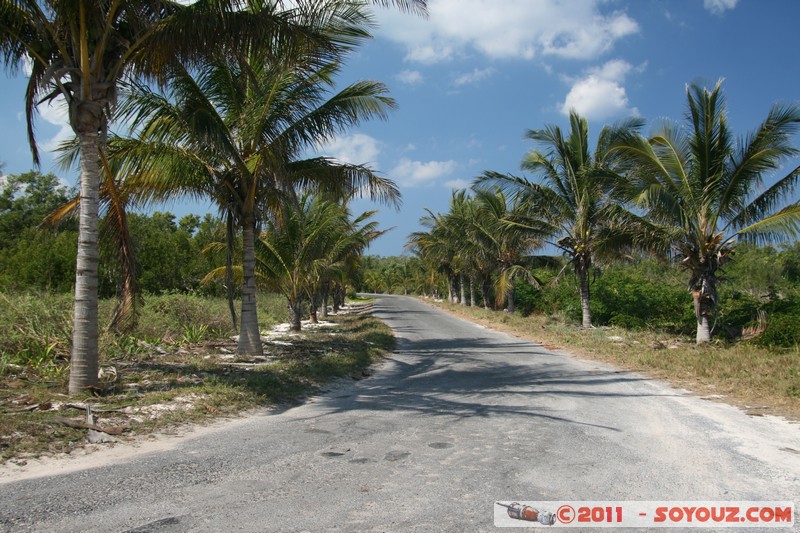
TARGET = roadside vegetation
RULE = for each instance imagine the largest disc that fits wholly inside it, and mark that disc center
(644, 321)
(176, 361)
(119, 308)
(688, 230)
(224, 101)
(113, 309)
(178, 365)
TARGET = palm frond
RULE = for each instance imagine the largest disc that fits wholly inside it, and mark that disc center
(765, 203)
(221, 274)
(774, 228)
(419, 7)
(758, 154)
(342, 180)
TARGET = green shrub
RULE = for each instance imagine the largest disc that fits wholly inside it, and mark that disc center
(627, 322)
(630, 297)
(170, 316)
(782, 330)
(555, 297)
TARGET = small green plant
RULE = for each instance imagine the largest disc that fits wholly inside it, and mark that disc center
(37, 354)
(123, 346)
(193, 334)
(5, 360)
(38, 358)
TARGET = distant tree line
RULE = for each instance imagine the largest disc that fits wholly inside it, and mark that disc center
(171, 255)
(759, 300)
(691, 192)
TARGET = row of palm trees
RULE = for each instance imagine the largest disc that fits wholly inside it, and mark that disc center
(224, 97)
(311, 254)
(689, 192)
(236, 133)
(475, 245)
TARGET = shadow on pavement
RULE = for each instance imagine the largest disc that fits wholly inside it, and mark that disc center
(464, 377)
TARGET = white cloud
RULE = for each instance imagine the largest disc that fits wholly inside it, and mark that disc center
(458, 184)
(356, 149)
(419, 173)
(429, 53)
(409, 77)
(56, 113)
(473, 77)
(718, 7)
(575, 29)
(27, 65)
(600, 94)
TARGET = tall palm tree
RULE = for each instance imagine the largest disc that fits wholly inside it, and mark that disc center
(707, 188)
(432, 250)
(236, 132)
(571, 199)
(82, 50)
(113, 199)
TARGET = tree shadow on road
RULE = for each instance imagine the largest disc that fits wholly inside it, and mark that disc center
(464, 378)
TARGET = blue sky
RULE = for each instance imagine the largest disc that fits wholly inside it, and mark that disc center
(476, 74)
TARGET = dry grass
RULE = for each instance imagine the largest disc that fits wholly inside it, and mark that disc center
(759, 380)
(159, 387)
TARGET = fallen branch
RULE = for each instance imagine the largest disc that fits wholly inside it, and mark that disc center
(113, 430)
(44, 406)
(83, 406)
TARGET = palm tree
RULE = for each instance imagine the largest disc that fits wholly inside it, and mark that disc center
(113, 199)
(341, 263)
(572, 200)
(306, 244)
(83, 50)
(499, 237)
(236, 132)
(439, 246)
(707, 188)
(458, 225)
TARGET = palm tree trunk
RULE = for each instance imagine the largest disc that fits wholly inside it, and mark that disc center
(510, 297)
(325, 295)
(583, 277)
(703, 329)
(338, 298)
(296, 315)
(230, 236)
(249, 336)
(472, 291)
(703, 286)
(463, 284)
(704, 303)
(84, 358)
(486, 290)
(313, 304)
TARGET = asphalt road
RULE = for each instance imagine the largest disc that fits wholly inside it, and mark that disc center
(458, 418)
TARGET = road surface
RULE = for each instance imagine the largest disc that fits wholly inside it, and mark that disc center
(458, 418)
